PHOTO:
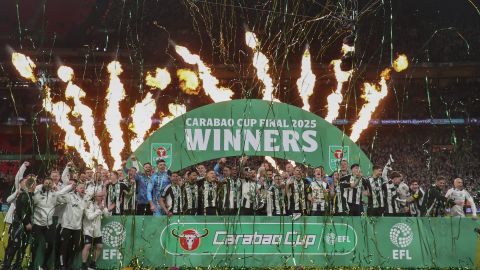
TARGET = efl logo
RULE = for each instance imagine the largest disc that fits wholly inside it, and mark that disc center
(189, 239)
(401, 235)
(113, 234)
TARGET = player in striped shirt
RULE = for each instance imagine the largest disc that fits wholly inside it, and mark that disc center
(355, 191)
(390, 190)
(171, 200)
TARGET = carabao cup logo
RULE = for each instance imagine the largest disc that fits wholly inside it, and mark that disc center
(162, 151)
(401, 235)
(113, 234)
(189, 239)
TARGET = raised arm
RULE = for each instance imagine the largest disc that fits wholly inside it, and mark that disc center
(66, 173)
(12, 197)
(20, 173)
(65, 190)
(472, 205)
(388, 167)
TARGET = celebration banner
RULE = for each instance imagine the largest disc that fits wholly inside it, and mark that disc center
(250, 127)
(278, 242)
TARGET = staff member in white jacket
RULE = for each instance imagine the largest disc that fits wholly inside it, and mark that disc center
(71, 232)
(11, 199)
(92, 222)
(45, 200)
(460, 198)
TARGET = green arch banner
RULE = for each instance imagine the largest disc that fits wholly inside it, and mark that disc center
(251, 127)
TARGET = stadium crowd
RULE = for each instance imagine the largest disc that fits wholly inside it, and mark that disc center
(66, 208)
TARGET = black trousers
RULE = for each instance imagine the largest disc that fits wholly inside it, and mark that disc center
(48, 233)
(375, 212)
(355, 209)
(231, 211)
(17, 244)
(143, 209)
(70, 244)
(246, 211)
(317, 213)
(190, 212)
(210, 211)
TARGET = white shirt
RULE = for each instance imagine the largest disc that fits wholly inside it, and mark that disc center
(459, 197)
(44, 205)
(92, 221)
(12, 198)
(74, 209)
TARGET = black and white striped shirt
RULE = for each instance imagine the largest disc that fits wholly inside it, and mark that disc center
(276, 201)
(249, 194)
(191, 196)
(172, 194)
(209, 193)
(340, 199)
(376, 196)
(232, 193)
(297, 195)
(390, 192)
(354, 195)
(320, 196)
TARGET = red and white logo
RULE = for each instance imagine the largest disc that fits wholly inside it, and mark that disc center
(161, 152)
(338, 154)
(189, 239)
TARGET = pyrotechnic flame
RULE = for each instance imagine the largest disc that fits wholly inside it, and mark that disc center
(401, 63)
(65, 73)
(346, 49)
(24, 66)
(373, 94)
(175, 111)
(306, 82)
(59, 110)
(143, 111)
(88, 124)
(161, 79)
(335, 99)
(142, 120)
(260, 62)
(188, 81)
(210, 83)
(273, 163)
(115, 93)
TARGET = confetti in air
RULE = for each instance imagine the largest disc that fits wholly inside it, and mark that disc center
(306, 82)
(210, 83)
(113, 118)
(143, 111)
